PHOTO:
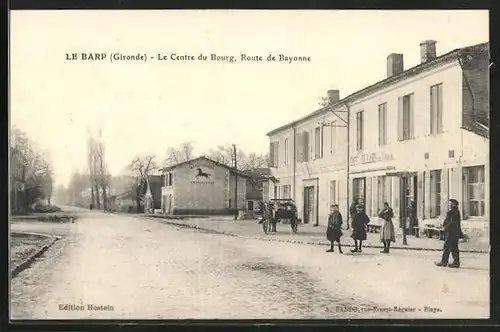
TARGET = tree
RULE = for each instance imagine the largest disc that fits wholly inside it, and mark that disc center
(31, 172)
(141, 167)
(93, 170)
(174, 156)
(102, 176)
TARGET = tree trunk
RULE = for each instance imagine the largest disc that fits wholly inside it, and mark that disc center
(97, 198)
(104, 198)
(92, 196)
(138, 199)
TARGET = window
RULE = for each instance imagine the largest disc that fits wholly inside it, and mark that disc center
(382, 124)
(286, 151)
(168, 179)
(317, 143)
(475, 190)
(405, 117)
(358, 189)
(275, 191)
(332, 138)
(333, 192)
(435, 201)
(359, 130)
(305, 145)
(287, 191)
(436, 109)
(274, 154)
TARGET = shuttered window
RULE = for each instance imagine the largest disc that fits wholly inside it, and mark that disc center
(299, 150)
(287, 147)
(305, 146)
(436, 116)
(405, 118)
(382, 124)
(274, 154)
(359, 130)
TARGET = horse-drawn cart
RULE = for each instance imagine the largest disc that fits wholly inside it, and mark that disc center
(284, 211)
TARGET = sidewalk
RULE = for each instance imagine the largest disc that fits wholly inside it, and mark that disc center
(308, 234)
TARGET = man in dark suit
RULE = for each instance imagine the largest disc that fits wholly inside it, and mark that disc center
(453, 233)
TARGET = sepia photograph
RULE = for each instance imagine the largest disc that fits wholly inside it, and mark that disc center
(249, 164)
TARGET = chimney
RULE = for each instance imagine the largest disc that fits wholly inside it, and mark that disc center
(394, 64)
(427, 50)
(333, 96)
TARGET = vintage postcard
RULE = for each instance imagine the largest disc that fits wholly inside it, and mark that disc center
(250, 164)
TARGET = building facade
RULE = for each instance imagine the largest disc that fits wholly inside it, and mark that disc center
(417, 138)
(308, 159)
(202, 186)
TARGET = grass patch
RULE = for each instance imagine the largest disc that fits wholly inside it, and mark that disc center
(22, 246)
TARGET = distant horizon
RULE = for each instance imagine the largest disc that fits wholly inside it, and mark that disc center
(144, 108)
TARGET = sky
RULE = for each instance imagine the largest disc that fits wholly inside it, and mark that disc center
(144, 107)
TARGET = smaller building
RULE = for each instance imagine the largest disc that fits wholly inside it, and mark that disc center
(202, 186)
(152, 197)
(257, 187)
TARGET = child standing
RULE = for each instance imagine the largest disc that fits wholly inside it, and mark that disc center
(334, 231)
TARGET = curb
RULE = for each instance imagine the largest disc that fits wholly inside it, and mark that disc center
(30, 260)
(318, 243)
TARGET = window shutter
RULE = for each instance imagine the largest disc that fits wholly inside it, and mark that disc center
(375, 195)
(322, 142)
(433, 121)
(444, 191)
(400, 118)
(427, 195)
(368, 195)
(395, 184)
(411, 116)
(277, 153)
(420, 196)
(439, 125)
(271, 154)
(465, 189)
(305, 146)
(432, 183)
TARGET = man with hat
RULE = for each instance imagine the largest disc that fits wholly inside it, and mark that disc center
(452, 233)
(359, 223)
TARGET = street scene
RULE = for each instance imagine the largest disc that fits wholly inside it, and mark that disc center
(326, 197)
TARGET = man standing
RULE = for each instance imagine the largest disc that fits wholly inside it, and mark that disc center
(334, 231)
(453, 232)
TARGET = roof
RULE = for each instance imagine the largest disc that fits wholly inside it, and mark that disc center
(239, 173)
(418, 69)
(258, 172)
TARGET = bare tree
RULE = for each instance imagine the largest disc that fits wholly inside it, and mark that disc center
(30, 170)
(175, 156)
(92, 164)
(141, 167)
(102, 176)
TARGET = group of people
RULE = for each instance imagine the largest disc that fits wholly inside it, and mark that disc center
(360, 220)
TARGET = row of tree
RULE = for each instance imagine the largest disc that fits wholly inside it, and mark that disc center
(90, 186)
(31, 174)
(96, 179)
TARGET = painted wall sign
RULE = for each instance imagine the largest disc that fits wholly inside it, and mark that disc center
(370, 158)
(202, 175)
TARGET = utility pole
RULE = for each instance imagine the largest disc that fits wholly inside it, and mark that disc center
(235, 184)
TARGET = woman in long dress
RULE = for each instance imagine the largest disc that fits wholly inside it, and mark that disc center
(387, 232)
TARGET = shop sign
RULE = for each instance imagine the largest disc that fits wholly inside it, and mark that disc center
(370, 158)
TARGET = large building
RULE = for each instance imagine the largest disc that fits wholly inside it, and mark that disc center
(420, 135)
(202, 186)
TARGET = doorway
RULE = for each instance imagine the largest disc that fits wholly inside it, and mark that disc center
(407, 211)
(308, 204)
(250, 205)
(358, 188)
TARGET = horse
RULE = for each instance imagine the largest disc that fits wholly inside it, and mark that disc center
(202, 174)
